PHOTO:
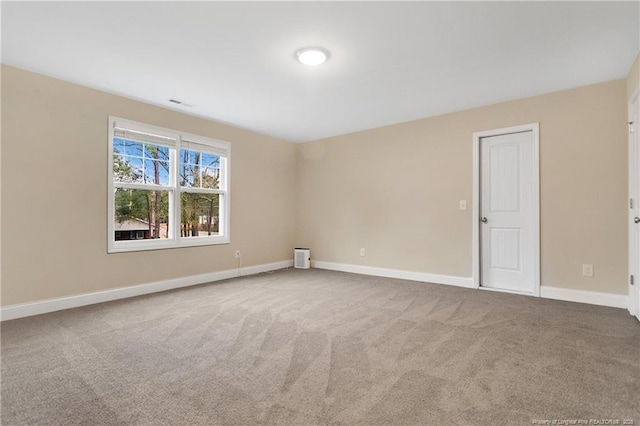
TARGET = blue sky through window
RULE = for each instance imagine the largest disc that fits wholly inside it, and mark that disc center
(204, 173)
(144, 159)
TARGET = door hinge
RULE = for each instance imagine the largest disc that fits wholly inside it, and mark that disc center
(631, 279)
(631, 127)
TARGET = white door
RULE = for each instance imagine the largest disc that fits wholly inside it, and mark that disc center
(634, 207)
(509, 231)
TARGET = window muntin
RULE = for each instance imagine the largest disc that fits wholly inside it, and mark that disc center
(140, 162)
(199, 169)
(167, 188)
(200, 214)
(140, 210)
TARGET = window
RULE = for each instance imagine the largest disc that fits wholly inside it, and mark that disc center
(167, 188)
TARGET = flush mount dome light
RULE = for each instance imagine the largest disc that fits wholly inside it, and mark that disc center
(312, 56)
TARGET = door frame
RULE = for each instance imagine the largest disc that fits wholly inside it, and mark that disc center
(633, 300)
(476, 261)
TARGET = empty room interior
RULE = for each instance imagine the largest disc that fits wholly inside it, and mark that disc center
(309, 213)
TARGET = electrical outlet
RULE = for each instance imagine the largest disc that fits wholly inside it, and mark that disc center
(463, 204)
(587, 270)
(362, 252)
(237, 254)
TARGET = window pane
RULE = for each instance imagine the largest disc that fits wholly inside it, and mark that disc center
(199, 169)
(118, 146)
(210, 171)
(156, 152)
(189, 156)
(140, 162)
(186, 176)
(200, 214)
(156, 172)
(140, 214)
(132, 148)
(127, 169)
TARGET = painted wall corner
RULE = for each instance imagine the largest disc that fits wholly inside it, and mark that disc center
(633, 79)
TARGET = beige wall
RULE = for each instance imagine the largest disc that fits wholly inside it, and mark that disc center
(395, 190)
(392, 190)
(54, 193)
(633, 79)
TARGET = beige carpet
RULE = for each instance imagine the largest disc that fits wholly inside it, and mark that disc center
(318, 347)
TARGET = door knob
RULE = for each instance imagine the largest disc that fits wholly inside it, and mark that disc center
(485, 220)
(636, 219)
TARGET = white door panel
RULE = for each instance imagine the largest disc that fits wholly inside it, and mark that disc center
(505, 249)
(507, 234)
(504, 176)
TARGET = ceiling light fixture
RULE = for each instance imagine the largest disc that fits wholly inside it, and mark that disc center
(312, 56)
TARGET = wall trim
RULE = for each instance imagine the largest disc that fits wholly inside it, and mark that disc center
(633, 173)
(51, 305)
(556, 293)
(395, 273)
(584, 296)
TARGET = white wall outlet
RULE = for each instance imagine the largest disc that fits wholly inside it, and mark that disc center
(362, 252)
(237, 254)
(587, 270)
(463, 204)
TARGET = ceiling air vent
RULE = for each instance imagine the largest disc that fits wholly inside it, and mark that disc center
(177, 102)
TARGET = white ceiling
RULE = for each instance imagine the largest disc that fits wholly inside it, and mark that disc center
(391, 62)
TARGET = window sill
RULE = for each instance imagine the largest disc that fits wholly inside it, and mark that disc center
(146, 245)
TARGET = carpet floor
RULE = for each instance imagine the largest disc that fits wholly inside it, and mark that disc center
(314, 347)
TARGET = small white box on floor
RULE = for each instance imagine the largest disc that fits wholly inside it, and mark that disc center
(301, 258)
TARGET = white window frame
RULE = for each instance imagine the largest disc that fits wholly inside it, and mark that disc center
(174, 240)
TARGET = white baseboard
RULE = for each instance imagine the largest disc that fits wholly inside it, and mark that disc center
(557, 293)
(52, 305)
(395, 273)
(584, 296)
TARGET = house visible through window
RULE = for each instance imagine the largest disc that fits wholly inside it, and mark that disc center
(167, 188)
